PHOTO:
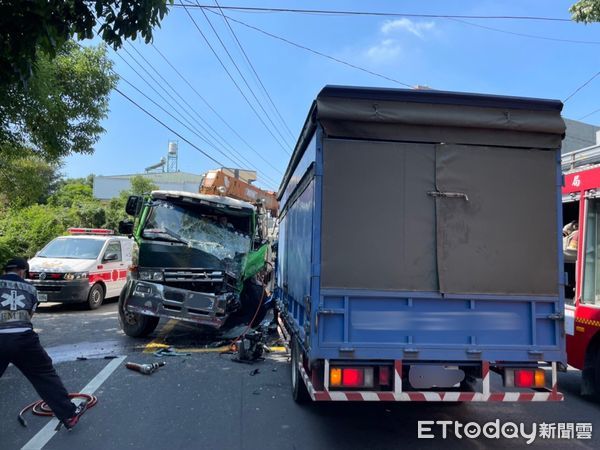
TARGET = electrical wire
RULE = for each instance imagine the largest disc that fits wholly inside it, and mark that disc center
(371, 13)
(234, 82)
(241, 47)
(581, 87)
(237, 68)
(169, 128)
(188, 125)
(589, 114)
(531, 36)
(240, 159)
(316, 52)
(239, 136)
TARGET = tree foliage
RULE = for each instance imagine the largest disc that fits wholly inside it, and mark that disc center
(31, 26)
(25, 230)
(141, 185)
(60, 111)
(586, 11)
(17, 186)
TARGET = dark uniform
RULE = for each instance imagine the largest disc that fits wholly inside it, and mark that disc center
(20, 345)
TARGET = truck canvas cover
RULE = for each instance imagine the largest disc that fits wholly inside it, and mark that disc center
(494, 233)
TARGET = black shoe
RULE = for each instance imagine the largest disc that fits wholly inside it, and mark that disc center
(72, 421)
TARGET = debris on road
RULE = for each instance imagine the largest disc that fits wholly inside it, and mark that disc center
(146, 369)
(254, 372)
(169, 351)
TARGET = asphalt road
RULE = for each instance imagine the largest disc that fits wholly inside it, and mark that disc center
(207, 401)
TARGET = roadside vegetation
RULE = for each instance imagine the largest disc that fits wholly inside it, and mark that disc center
(28, 223)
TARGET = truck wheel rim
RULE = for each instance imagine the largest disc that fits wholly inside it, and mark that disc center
(129, 318)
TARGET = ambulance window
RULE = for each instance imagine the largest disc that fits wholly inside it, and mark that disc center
(591, 275)
(114, 247)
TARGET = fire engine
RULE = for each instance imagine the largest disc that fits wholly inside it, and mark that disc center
(581, 243)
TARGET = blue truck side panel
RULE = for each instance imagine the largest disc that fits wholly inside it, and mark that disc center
(296, 237)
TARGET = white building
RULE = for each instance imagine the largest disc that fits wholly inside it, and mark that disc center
(107, 187)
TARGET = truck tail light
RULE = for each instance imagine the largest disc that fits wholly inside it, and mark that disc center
(384, 376)
(351, 377)
(525, 378)
(335, 377)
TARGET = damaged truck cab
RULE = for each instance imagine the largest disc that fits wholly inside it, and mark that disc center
(196, 256)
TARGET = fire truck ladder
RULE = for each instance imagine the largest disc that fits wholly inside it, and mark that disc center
(577, 159)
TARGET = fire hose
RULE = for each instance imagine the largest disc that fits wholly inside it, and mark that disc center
(41, 408)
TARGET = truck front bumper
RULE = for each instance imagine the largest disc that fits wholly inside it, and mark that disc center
(155, 299)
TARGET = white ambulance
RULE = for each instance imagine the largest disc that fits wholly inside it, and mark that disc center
(87, 266)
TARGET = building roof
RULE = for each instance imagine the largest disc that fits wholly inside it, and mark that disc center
(578, 135)
(161, 177)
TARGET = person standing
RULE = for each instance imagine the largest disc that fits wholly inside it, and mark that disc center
(20, 345)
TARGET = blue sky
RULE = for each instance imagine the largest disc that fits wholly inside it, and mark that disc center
(441, 53)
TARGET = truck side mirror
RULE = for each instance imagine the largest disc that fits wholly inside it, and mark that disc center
(126, 227)
(134, 205)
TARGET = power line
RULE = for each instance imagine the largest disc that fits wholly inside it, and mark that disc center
(531, 36)
(188, 124)
(158, 93)
(369, 13)
(581, 87)
(589, 114)
(233, 80)
(239, 136)
(255, 72)
(176, 119)
(243, 77)
(316, 52)
(169, 128)
(242, 160)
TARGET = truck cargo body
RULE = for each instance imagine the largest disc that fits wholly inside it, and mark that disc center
(418, 247)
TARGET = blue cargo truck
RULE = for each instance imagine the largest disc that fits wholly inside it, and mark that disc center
(418, 249)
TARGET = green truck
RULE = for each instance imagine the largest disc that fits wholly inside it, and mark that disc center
(199, 258)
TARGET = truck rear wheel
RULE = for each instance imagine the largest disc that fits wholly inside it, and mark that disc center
(299, 391)
(133, 324)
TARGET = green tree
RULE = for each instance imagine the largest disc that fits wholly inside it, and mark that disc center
(71, 193)
(141, 185)
(60, 111)
(29, 26)
(17, 186)
(25, 231)
(586, 11)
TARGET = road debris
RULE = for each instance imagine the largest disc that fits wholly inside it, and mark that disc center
(146, 369)
(169, 351)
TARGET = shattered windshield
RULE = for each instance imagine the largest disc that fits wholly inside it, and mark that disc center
(221, 235)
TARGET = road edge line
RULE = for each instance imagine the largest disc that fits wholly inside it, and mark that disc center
(42, 437)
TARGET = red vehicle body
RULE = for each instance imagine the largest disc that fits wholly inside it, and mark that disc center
(581, 204)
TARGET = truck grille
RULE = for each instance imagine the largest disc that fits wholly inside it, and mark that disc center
(193, 275)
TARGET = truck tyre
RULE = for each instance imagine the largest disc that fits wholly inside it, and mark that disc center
(135, 325)
(95, 296)
(299, 391)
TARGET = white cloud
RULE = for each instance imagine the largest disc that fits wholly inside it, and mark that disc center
(384, 51)
(404, 24)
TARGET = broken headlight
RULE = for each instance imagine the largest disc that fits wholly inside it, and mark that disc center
(150, 275)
